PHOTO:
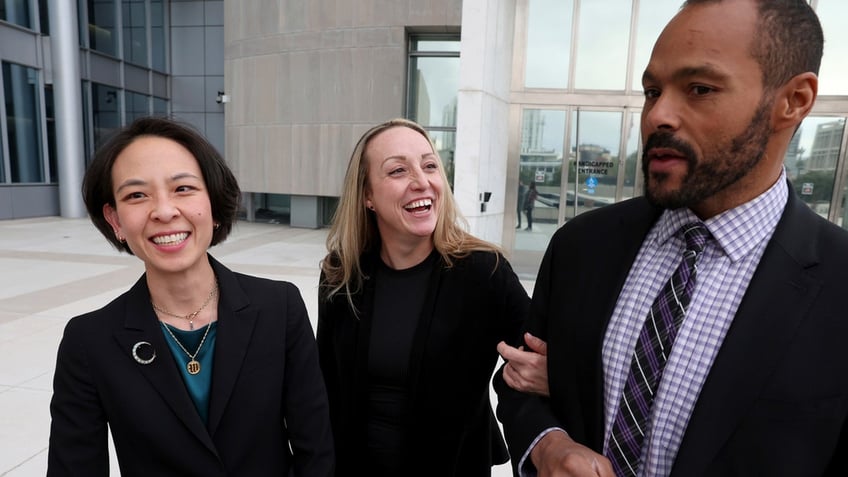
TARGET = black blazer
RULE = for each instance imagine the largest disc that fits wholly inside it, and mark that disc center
(776, 399)
(267, 391)
(468, 309)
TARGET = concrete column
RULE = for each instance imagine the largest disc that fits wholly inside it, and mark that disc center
(65, 52)
(483, 114)
(305, 212)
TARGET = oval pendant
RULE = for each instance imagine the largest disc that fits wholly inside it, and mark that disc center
(193, 367)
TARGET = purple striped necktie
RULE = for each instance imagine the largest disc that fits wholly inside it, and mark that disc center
(649, 357)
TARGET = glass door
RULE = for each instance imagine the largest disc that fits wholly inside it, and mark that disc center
(593, 161)
(538, 205)
(557, 183)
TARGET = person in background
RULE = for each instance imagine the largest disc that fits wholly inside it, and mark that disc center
(530, 204)
(699, 330)
(520, 201)
(196, 370)
(411, 309)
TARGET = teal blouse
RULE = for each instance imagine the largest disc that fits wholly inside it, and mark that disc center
(198, 385)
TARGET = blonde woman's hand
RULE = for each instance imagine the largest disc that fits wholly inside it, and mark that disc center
(526, 370)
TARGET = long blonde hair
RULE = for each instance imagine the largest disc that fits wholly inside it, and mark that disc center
(354, 227)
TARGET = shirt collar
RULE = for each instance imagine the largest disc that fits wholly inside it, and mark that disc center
(737, 231)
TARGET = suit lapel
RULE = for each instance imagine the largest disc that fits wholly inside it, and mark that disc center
(776, 303)
(141, 325)
(236, 320)
(604, 285)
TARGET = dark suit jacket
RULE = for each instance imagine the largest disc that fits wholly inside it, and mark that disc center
(776, 399)
(468, 309)
(267, 391)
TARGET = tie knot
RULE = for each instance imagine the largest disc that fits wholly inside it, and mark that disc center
(696, 235)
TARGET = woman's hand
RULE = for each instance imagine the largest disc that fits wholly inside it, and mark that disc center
(526, 371)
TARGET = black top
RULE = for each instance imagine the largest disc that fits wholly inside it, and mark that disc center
(398, 301)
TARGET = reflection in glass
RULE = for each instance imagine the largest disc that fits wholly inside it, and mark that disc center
(272, 208)
(651, 19)
(811, 160)
(632, 160)
(106, 111)
(43, 17)
(833, 15)
(135, 34)
(157, 35)
(23, 121)
(16, 11)
(101, 26)
(50, 120)
(433, 85)
(602, 44)
(445, 144)
(593, 160)
(540, 162)
(136, 106)
(160, 106)
(548, 43)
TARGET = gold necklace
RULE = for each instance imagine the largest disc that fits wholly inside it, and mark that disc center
(191, 316)
(193, 366)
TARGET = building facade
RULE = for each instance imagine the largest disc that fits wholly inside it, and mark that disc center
(544, 91)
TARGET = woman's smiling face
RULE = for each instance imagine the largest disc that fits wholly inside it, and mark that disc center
(404, 185)
(162, 206)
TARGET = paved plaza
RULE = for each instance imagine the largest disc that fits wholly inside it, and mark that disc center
(52, 269)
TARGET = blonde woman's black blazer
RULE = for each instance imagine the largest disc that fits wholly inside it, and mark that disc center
(267, 391)
(468, 309)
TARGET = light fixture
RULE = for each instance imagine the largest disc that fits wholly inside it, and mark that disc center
(222, 98)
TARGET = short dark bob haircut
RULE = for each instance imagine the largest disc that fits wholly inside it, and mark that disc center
(224, 192)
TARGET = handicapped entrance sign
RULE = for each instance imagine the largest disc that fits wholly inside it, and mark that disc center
(591, 182)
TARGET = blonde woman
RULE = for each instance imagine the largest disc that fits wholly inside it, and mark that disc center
(411, 310)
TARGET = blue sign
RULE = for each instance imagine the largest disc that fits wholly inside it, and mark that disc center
(591, 182)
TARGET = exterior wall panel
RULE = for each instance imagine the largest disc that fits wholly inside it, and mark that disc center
(323, 71)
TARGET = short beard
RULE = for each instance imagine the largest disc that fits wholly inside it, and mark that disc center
(709, 175)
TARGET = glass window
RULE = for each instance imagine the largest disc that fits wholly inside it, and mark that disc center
(106, 111)
(16, 11)
(433, 86)
(50, 120)
(137, 106)
(603, 39)
(445, 144)
(650, 21)
(101, 26)
(811, 160)
(539, 167)
(157, 35)
(160, 106)
(834, 69)
(135, 33)
(43, 17)
(272, 208)
(23, 122)
(548, 43)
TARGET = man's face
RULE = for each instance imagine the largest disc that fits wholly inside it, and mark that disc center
(706, 119)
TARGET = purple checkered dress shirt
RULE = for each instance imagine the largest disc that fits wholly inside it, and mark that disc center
(724, 271)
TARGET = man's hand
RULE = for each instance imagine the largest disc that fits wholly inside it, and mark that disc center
(526, 371)
(557, 455)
